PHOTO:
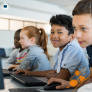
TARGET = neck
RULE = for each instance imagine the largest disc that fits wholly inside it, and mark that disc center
(61, 48)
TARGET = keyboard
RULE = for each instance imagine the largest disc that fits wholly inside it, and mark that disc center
(24, 90)
(6, 72)
(28, 80)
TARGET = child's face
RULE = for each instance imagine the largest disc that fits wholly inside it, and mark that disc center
(24, 40)
(83, 29)
(59, 36)
(16, 40)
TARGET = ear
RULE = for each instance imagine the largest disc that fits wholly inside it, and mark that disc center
(72, 37)
(32, 40)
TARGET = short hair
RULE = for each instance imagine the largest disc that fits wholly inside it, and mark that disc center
(63, 20)
(83, 7)
(19, 30)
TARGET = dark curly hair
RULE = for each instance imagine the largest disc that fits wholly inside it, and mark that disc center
(63, 20)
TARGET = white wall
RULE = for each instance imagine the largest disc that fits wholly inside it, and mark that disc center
(32, 10)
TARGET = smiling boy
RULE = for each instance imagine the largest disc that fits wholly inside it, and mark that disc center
(70, 56)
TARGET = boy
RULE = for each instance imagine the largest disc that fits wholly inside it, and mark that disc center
(82, 24)
(69, 57)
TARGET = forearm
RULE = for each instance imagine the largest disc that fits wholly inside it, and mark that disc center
(38, 73)
(48, 75)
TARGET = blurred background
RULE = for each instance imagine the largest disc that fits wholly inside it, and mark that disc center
(16, 14)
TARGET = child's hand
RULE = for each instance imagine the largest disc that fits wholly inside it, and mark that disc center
(52, 72)
(28, 68)
(25, 72)
(63, 85)
(14, 67)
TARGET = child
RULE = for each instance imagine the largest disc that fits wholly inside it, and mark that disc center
(82, 24)
(37, 57)
(69, 57)
(18, 53)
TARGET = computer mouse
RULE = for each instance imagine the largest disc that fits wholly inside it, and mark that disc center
(51, 86)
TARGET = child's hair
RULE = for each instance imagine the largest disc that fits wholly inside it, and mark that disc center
(17, 38)
(63, 20)
(19, 30)
(40, 36)
(83, 7)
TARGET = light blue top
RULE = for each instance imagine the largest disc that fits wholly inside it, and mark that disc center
(36, 59)
(71, 58)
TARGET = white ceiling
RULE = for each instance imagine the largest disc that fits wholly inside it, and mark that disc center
(67, 5)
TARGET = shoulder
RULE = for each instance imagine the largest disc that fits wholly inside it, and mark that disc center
(35, 49)
(73, 47)
(15, 51)
(73, 51)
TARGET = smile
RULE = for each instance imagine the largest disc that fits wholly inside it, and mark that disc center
(55, 41)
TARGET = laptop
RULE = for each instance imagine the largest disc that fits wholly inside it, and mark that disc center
(28, 80)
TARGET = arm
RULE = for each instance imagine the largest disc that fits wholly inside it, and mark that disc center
(65, 84)
(34, 73)
(11, 59)
(63, 74)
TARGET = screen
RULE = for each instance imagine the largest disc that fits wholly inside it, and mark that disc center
(1, 77)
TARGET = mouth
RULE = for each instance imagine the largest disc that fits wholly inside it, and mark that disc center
(55, 41)
(80, 42)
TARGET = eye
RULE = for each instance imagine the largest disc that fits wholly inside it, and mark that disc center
(74, 28)
(60, 32)
(83, 28)
(52, 32)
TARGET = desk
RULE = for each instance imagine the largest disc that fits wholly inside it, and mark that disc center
(10, 83)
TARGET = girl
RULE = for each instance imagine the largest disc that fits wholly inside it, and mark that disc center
(82, 24)
(18, 53)
(37, 57)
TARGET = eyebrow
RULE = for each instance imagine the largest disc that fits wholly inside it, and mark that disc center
(57, 30)
(80, 25)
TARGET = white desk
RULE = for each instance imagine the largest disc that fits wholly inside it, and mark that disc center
(10, 83)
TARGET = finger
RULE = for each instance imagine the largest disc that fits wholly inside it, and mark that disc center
(54, 80)
(14, 69)
(59, 87)
(10, 67)
(17, 71)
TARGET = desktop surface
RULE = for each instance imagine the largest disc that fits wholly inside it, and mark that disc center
(11, 84)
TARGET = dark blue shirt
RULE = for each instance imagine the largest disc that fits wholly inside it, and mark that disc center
(89, 52)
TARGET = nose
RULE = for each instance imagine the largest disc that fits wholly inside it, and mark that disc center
(77, 34)
(55, 35)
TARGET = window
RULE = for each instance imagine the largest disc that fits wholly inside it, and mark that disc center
(15, 25)
(40, 25)
(4, 24)
(29, 24)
